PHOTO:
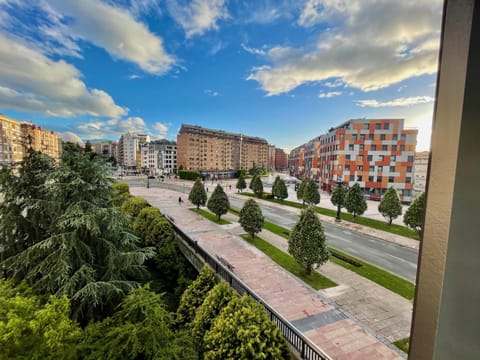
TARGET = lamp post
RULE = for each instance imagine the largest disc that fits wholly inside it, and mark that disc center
(148, 176)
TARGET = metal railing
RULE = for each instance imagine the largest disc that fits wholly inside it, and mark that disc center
(306, 349)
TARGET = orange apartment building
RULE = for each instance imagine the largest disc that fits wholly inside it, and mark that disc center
(281, 159)
(45, 141)
(376, 153)
(219, 152)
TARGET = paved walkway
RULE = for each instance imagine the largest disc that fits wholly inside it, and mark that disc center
(317, 314)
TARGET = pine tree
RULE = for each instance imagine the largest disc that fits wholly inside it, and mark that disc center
(415, 214)
(257, 186)
(355, 201)
(390, 206)
(307, 243)
(301, 191)
(241, 184)
(279, 189)
(250, 186)
(218, 202)
(251, 218)
(311, 195)
(198, 195)
(338, 196)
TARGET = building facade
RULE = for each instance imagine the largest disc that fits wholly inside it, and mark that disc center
(375, 153)
(420, 167)
(159, 157)
(11, 147)
(281, 160)
(106, 149)
(129, 154)
(214, 151)
(271, 157)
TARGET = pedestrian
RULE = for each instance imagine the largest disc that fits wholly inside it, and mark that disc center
(230, 187)
(179, 200)
(207, 188)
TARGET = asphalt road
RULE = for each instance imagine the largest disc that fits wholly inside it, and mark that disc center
(395, 258)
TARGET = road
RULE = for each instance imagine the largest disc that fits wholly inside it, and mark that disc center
(395, 258)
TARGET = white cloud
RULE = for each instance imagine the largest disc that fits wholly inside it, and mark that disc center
(109, 27)
(69, 136)
(145, 7)
(211, 92)
(253, 50)
(368, 44)
(160, 129)
(408, 101)
(199, 16)
(329, 94)
(29, 81)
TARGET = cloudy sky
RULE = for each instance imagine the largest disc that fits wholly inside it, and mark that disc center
(284, 70)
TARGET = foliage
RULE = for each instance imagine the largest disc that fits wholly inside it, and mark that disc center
(86, 251)
(241, 184)
(279, 189)
(198, 195)
(218, 202)
(217, 298)
(311, 195)
(194, 295)
(251, 218)
(34, 329)
(243, 331)
(390, 206)
(121, 192)
(415, 214)
(240, 172)
(133, 205)
(301, 190)
(250, 186)
(152, 228)
(355, 201)
(257, 186)
(338, 196)
(307, 242)
(140, 329)
(187, 174)
(212, 217)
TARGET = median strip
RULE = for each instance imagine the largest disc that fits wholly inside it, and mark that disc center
(210, 216)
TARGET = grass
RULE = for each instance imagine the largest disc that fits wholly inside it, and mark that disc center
(375, 224)
(403, 344)
(210, 216)
(315, 280)
(382, 277)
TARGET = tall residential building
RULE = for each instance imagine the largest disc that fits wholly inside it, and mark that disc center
(281, 159)
(159, 157)
(271, 157)
(129, 150)
(213, 151)
(420, 170)
(376, 153)
(106, 149)
(45, 141)
(11, 147)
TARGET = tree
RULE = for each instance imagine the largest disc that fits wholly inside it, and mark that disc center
(243, 330)
(251, 218)
(301, 191)
(241, 184)
(141, 329)
(198, 195)
(279, 189)
(257, 186)
(415, 214)
(311, 195)
(218, 202)
(338, 196)
(217, 298)
(194, 295)
(88, 146)
(133, 205)
(355, 201)
(307, 242)
(250, 186)
(390, 206)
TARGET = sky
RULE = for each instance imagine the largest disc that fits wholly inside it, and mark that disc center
(284, 70)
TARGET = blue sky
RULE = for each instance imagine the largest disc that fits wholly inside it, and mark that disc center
(283, 70)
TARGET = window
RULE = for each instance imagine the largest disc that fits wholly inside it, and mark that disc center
(393, 158)
(370, 136)
(360, 167)
(408, 180)
(384, 147)
(359, 178)
(394, 147)
(380, 168)
(382, 136)
(352, 177)
(339, 167)
(370, 178)
(395, 137)
(365, 126)
(386, 126)
(347, 157)
(372, 168)
(381, 157)
(342, 136)
(410, 158)
(362, 136)
(391, 179)
(379, 179)
(350, 147)
(360, 157)
(361, 147)
(354, 136)
(377, 126)
(409, 169)
(392, 168)
(347, 167)
(403, 137)
(374, 147)
(370, 158)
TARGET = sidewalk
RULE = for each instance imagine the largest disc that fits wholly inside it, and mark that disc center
(315, 314)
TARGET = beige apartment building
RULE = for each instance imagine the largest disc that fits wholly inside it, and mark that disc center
(216, 151)
(11, 149)
(46, 141)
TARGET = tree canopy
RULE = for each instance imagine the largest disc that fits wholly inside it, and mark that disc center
(198, 195)
(257, 186)
(415, 214)
(279, 189)
(218, 202)
(338, 196)
(301, 190)
(355, 201)
(311, 194)
(390, 206)
(241, 184)
(251, 218)
(307, 242)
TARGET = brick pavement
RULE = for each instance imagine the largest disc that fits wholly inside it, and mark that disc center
(341, 337)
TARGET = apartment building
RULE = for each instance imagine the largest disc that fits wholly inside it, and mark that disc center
(215, 151)
(376, 153)
(11, 148)
(106, 149)
(281, 159)
(45, 141)
(271, 157)
(159, 157)
(129, 154)
(420, 170)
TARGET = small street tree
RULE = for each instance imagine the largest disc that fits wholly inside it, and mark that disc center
(390, 206)
(241, 184)
(250, 186)
(251, 218)
(279, 189)
(301, 190)
(414, 216)
(307, 242)
(218, 202)
(311, 195)
(355, 201)
(338, 196)
(257, 186)
(198, 195)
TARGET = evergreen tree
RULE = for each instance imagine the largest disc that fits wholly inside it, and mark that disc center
(194, 295)
(198, 195)
(311, 195)
(257, 186)
(338, 196)
(390, 206)
(243, 330)
(241, 184)
(218, 202)
(133, 205)
(251, 218)
(250, 186)
(279, 189)
(301, 191)
(415, 214)
(355, 201)
(307, 243)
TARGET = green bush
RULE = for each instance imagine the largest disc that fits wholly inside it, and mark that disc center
(267, 196)
(188, 175)
(152, 227)
(133, 205)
